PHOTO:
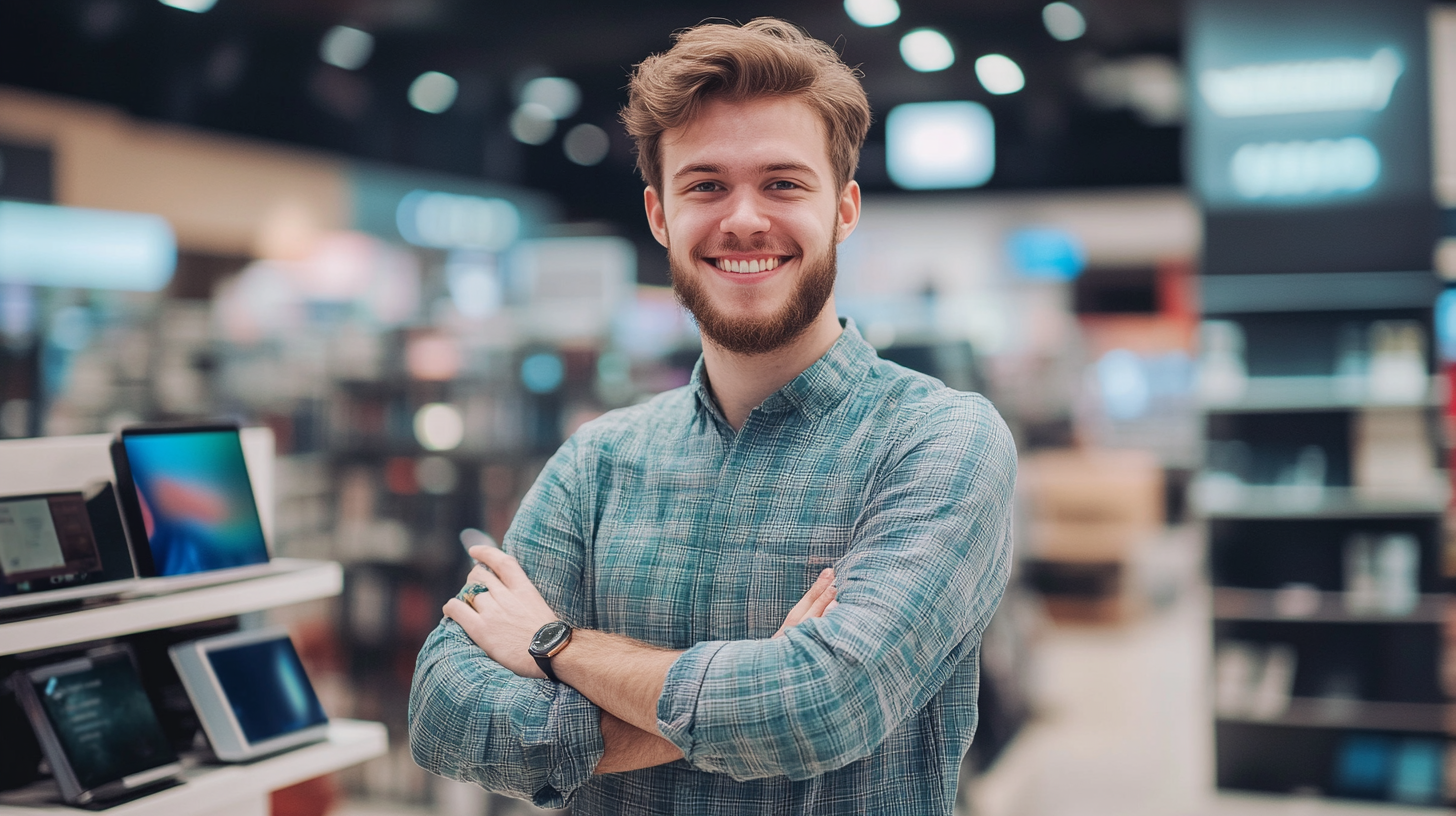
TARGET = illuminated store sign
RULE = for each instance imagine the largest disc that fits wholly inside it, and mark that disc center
(1309, 134)
(1315, 86)
(73, 247)
(447, 221)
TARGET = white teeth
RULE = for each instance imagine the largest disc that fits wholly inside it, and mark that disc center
(748, 267)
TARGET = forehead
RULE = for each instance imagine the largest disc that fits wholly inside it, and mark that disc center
(748, 134)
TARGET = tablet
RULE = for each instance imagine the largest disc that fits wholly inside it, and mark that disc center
(187, 500)
(61, 547)
(250, 692)
(96, 726)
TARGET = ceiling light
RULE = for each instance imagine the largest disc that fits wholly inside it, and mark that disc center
(926, 49)
(1063, 21)
(586, 144)
(558, 95)
(198, 6)
(439, 427)
(872, 13)
(999, 74)
(433, 92)
(347, 48)
(940, 145)
(533, 124)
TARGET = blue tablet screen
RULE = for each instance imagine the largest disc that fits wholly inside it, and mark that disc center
(267, 688)
(196, 500)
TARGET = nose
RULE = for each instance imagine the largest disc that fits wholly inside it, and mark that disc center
(745, 216)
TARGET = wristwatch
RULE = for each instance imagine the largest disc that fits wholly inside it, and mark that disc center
(548, 643)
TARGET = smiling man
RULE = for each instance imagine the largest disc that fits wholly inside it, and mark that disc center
(763, 592)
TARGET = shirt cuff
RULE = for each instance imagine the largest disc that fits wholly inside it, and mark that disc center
(679, 701)
(574, 733)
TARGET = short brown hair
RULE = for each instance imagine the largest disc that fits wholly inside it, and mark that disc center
(765, 57)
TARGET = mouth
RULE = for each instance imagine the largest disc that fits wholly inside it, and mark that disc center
(749, 265)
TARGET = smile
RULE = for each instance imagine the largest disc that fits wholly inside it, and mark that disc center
(746, 267)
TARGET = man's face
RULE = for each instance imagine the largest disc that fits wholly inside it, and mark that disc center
(750, 216)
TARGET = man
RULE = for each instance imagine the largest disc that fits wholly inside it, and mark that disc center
(772, 582)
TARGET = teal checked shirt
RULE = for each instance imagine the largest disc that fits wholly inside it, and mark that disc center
(662, 523)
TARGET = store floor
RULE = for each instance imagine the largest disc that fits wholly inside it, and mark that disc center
(1123, 730)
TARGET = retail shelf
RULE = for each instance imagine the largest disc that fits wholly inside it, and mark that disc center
(1318, 291)
(1299, 394)
(310, 580)
(230, 789)
(1298, 604)
(1295, 502)
(1334, 712)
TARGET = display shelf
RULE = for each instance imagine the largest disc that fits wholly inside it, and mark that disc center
(1238, 604)
(1318, 291)
(309, 581)
(1372, 715)
(1299, 394)
(1286, 502)
(240, 789)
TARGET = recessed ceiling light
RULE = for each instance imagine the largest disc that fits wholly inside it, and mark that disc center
(347, 48)
(926, 49)
(586, 144)
(872, 13)
(1063, 21)
(558, 95)
(198, 6)
(433, 92)
(999, 74)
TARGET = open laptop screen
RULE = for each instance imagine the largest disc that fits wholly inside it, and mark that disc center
(194, 499)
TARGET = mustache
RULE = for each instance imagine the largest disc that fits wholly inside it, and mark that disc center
(762, 247)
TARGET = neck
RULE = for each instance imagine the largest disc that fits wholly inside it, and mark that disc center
(741, 382)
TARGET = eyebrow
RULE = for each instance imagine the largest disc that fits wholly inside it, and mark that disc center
(718, 169)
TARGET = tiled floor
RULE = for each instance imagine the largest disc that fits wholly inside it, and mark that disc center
(1123, 730)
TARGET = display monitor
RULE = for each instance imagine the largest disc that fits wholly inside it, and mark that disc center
(250, 692)
(186, 493)
(96, 726)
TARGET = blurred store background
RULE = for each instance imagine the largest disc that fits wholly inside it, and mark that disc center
(1195, 252)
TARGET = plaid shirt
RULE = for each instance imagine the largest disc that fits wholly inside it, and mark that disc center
(661, 523)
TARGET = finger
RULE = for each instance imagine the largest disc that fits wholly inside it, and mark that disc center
(504, 565)
(492, 582)
(831, 607)
(821, 603)
(825, 578)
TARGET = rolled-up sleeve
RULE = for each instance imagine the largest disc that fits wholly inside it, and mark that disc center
(927, 565)
(474, 720)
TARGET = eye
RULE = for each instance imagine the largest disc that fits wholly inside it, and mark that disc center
(783, 185)
(705, 187)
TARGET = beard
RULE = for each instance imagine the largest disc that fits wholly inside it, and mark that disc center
(751, 336)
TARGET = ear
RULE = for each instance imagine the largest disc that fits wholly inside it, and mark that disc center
(848, 210)
(656, 216)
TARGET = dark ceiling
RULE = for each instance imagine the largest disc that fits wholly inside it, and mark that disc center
(252, 67)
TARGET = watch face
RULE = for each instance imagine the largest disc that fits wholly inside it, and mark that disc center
(549, 637)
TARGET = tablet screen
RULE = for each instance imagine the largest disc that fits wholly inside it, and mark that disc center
(44, 540)
(103, 720)
(196, 500)
(267, 688)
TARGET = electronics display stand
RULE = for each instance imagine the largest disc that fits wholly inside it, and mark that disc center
(208, 790)
(1262, 543)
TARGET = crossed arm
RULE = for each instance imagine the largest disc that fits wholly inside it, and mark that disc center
(622, 676)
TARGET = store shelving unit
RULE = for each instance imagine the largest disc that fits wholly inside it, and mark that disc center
(310, 580)
(234, 790)
(1276, 559)
(231, 790)
(141, 607)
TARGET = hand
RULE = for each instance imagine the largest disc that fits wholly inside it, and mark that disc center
(503, 620)
(817, 601)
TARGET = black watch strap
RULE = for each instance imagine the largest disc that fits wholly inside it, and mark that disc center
(545, 664)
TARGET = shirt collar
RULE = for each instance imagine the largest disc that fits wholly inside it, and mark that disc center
(817, 390)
